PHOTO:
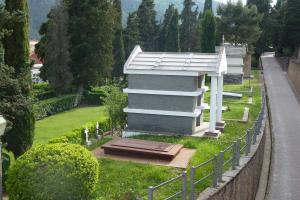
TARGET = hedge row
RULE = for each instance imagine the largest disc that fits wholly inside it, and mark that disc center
(96, 95)
(77, 136)
(55, 105)
(43, 91)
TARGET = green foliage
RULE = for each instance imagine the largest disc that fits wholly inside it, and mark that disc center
(77, 135)
(263, 6)
(188, 27)
(207, 5)
(118, 43)
(115, 102)
(53, 171)
(208, 37)
(292, 23)
(147, 25)
(91, 28)
(42, 91)
(55, 105)
(240, 24)
(131, 33)
(7, 161)
(56, 55)
(95, 96)
(169, 33)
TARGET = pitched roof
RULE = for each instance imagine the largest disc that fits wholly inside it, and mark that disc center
(168, 63)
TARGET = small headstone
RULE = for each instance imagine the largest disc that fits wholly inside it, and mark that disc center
(87, 141)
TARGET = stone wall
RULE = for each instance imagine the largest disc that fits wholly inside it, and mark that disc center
(247, 65)
(233, 78)
(294, 73)
(242, 183)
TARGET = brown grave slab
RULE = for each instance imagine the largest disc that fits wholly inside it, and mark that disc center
(180, 161)
(141, 148)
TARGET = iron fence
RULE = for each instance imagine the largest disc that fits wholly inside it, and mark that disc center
(242, 146)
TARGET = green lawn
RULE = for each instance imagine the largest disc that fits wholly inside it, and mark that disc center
(57, 125)
(127, 180)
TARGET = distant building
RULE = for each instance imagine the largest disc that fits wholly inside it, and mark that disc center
(38, 64)
(236, 56)
(166, 92)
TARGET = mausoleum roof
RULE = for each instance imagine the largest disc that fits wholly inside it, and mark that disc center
(177, 63)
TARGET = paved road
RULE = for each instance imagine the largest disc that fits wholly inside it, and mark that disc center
(285, 110)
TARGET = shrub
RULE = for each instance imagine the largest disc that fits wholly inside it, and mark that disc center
(53, 171)
(43, 91)
(55, 105)
(77, 136)
(95, 96)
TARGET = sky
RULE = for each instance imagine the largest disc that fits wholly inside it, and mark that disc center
(244, 1)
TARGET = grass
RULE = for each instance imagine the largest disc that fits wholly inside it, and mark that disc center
(57, 125)
(127, 180)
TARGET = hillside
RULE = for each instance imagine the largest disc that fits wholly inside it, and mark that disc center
(40, 8)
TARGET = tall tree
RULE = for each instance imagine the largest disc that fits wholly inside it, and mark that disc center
(207, 5)
(264, 41)
(188, 27)
(16, 79)
(292, 23)
(169, 33)
(91, 29)
(56, 58)
(131, 33)
(118, 43)
(208, 36)
(147, 25)
(240, 24)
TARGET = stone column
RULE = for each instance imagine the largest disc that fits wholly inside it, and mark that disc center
(220, 124)
(213, 105)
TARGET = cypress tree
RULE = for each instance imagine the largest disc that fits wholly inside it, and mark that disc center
(118, 43)
(16, 85)
(208, 33)
(188, 27)
(292, 23)
(207, 5)
(169, 36)
(131, 33)
(91, 29)
(147, 25)
(57, 56)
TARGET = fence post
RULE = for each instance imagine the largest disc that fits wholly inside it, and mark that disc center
(150, 193)
(184, 185)
(238, 153)
(215, 176)
(221, 166)
(248, 143)
(192, 183)
(234, 155)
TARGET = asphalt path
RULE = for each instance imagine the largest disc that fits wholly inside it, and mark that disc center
(285, 112)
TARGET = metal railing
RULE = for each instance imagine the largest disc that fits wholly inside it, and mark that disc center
(242, 146)
(181, 193)
(212, 174)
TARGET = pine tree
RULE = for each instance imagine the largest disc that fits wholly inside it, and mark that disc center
(131, 33)
(15, 85)
(188, 27)
(118, 43)
(208, 33)
(147, 25)
(57, 56)
(292, 23)
(169, 33)
(240, 24)
(207, 5)
(91, 29)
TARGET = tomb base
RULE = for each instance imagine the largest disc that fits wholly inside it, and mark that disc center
(212, 134)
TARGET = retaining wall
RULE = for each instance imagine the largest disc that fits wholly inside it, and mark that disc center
(294, 73)
(242, 183)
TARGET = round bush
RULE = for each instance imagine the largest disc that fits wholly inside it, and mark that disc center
(53, 171)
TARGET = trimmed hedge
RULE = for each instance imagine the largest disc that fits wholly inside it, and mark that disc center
(77, 136)
(43, 91)
(53, 171)
(55, 105)
(95, 96)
